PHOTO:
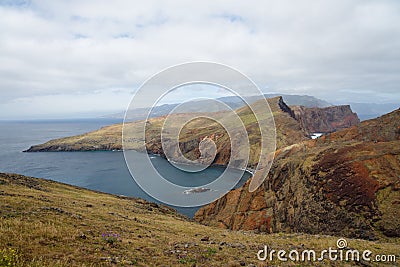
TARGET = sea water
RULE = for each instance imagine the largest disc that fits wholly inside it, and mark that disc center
(104, 171)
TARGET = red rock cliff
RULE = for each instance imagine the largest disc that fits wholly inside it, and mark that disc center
(325, 120)
(346, 183)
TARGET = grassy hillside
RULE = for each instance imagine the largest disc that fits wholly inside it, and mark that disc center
(288, 132)
(45, 223)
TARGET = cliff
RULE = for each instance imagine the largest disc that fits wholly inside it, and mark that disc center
(325, 120)
(346, 183)
(288, 131)
(293, 125)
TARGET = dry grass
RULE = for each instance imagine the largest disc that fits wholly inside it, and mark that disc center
(46, 223)
(288, 132)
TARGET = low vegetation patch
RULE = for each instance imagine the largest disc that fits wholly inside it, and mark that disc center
(55, 224)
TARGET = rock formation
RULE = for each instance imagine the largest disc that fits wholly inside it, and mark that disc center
(346, 183)
(325, 120)
(288, 131)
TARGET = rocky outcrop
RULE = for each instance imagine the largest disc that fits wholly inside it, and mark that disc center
(293, 125)
(288, 131)
(282, 105)
(346, 183)
(325, 120)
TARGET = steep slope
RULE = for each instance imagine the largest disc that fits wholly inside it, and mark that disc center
(346, 183)
(45, 223)
(368, 111)
(109, 138)
(292, 126)
(325, 120)
(233, 102)
(382, 129)
(302, 100)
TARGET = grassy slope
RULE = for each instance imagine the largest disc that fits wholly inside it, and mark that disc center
(53, 224)
(288, 132)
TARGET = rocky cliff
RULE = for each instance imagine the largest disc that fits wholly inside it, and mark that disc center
(293, 125)
(325, 120)
(346, 183)
(288, 131)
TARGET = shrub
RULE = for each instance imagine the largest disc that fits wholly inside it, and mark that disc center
(8, 257)
(111, 237)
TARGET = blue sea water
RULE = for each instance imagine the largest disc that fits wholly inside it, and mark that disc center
(104, 171)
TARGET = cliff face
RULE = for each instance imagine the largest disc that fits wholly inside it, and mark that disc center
(293, 124)
(288, 131)
(325, 120)
(346, 183)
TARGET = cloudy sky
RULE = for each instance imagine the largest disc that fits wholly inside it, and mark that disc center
(86, 58)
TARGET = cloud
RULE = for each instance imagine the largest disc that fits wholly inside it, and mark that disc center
(85, 104)
(339, 50)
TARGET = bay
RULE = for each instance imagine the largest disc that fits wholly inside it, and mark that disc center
(103, 171)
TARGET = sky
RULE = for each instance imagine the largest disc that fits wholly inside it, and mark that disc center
(87, 57)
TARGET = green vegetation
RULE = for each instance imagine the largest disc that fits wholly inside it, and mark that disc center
(9, 257)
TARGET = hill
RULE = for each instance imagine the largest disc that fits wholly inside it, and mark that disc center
(291, 128)
(368, 111)
(325, 120)
(45, 223)
(233, 102)
(288, 129)
(345, 183)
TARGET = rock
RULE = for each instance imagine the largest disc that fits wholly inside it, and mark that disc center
(109, 137)
(114, 260)
(82, 236)
(325, 120)
(205, 238)
(346, 173)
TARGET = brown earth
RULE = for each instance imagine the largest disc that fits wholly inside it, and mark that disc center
(45, 223)
(289, 130)
(346, 183)
(325, 120)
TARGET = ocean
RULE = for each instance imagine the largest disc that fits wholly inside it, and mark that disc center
(104, 171)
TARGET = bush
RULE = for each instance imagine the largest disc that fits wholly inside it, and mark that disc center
(110, 237)
(8, 257)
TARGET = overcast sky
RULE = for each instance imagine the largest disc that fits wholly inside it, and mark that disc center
(82, 58)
